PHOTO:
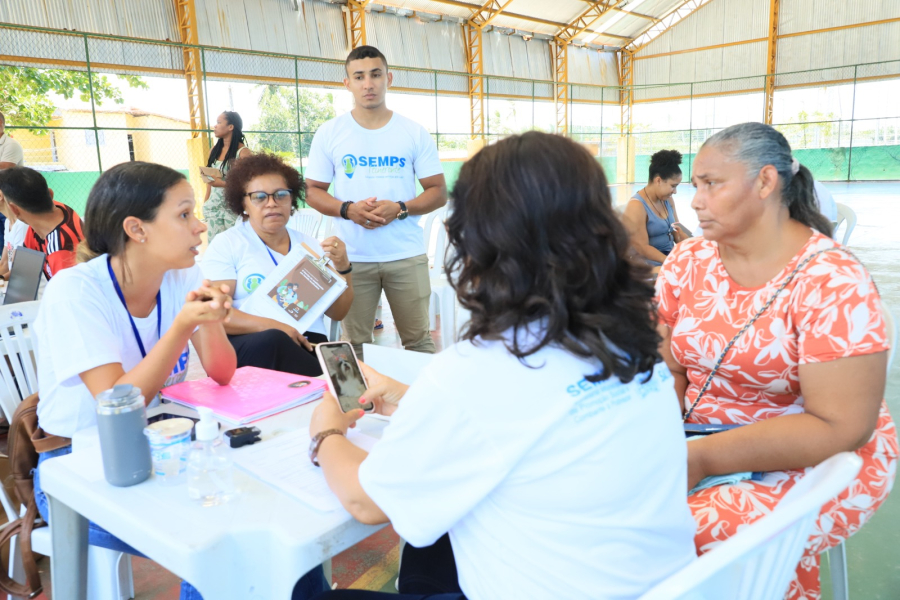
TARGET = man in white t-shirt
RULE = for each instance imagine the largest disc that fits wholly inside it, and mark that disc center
(373, 157)
(11, 154)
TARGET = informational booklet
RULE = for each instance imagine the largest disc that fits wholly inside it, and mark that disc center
(251, 395)
(298, 291)
(210, 173)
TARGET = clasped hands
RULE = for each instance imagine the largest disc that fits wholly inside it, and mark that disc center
(372, 213)
(206, 305)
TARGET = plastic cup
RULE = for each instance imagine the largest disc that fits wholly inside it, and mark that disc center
(170, 443)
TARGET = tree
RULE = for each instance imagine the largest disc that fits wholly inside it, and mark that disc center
(24, 90)
(278, 119)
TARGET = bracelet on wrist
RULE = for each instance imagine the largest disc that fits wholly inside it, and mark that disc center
(344, 207)
(349, 269)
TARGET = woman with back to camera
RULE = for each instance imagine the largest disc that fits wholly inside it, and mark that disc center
(528, 440)
(650, 215)
(806, 379)
(266, 191)
(229, 128)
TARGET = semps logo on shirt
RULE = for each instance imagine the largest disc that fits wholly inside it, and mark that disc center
(376, 166)
(251, 282)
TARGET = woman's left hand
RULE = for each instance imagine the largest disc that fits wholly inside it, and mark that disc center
(328, 415)
(336, 252)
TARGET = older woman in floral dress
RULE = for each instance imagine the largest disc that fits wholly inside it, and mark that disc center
(806, 379)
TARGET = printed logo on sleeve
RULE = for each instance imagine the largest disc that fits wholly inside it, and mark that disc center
(376, 166)
(251, 282)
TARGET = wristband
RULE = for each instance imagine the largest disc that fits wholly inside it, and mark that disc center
(344, 208)
(350, 268)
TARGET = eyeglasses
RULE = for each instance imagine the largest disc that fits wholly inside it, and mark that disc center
(279, 196)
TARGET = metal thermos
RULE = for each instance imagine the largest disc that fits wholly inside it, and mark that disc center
(121, 418)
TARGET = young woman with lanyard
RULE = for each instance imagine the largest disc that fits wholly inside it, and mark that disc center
(266, 191)
(125, 314)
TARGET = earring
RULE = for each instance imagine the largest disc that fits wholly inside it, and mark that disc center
(143, 240)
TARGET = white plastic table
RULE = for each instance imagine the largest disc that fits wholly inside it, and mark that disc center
(254, 547)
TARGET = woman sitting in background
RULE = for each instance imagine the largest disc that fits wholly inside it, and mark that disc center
(650, 215)
(528, 441)
(806, 380)
(265, 192)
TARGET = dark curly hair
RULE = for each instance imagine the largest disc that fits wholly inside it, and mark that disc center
(253, 166)
(533, 237)
(665, 164)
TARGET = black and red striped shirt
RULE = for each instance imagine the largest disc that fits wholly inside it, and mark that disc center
(60, 244)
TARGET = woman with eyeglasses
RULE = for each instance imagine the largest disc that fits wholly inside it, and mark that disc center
(265, 192)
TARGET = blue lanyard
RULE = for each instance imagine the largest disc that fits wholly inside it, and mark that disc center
(134, 328)
(272, 256)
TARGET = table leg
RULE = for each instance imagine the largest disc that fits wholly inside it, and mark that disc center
(69, 543)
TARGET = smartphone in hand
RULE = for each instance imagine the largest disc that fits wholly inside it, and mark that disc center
(343, 375)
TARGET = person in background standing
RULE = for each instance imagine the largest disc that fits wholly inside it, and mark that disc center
(229, 129)
(374, 158)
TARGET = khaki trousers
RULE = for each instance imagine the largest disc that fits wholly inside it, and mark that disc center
(407, 288)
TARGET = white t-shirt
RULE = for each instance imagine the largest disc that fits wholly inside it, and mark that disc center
(550, 486)
(384, 163)
(238, 253)
(11, 151)
(81, 325)
(827, 205)
(13, 237)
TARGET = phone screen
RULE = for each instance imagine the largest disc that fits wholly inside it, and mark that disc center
(346, 378)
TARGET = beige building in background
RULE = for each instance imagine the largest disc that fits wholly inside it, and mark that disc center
(76, 149)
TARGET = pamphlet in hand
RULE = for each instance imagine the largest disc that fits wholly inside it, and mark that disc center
(298, 291)
(210, 173)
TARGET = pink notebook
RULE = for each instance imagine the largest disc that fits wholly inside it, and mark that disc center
(253, 394)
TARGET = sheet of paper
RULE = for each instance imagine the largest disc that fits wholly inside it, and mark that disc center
(283, 462)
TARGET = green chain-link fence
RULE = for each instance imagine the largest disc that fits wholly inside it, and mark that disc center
(80, 103)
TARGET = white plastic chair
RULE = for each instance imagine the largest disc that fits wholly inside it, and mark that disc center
(759, 561)
(109, 573)
(845, 215)
(443, 297)
(306, 220)
(837, 556)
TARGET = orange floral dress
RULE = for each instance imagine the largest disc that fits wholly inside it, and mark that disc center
(830, 310)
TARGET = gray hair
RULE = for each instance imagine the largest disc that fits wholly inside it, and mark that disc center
(756, 145)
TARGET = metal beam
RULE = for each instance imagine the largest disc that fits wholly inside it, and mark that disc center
(701, 48)
(583, 22)
(522, 17)
(356, 15)
(626, 96)
(480, 18)
(771, 55)
(560, 49)
(186, 15)
(475, 66)
(678, 13)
